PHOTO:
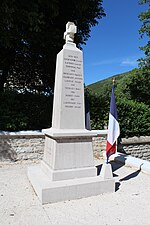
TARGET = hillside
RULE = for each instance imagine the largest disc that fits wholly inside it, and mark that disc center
(132, 98)
(106, 84)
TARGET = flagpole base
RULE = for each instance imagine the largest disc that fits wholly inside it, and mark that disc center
(106, 171)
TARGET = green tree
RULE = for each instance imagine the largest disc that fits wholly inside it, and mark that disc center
(139, 86)
(144, 17)
(134, 85)
(25, 111)
(99, 109)
(134, 118)
(31, 35)
(132, 99)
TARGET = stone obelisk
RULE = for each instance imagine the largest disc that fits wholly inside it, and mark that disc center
(67, 170)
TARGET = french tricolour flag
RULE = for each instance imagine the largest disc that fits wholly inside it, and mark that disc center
(113, 127)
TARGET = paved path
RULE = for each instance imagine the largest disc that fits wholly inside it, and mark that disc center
(129, 205)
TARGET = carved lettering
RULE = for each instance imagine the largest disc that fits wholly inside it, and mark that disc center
(73, 81)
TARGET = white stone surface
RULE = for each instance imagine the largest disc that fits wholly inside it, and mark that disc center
(53, 132)
(67, 170)
(68, 106)
(106, 171)
(65, 174)
(68, 153)
(55, 191)
(71, 29)
(128, 160)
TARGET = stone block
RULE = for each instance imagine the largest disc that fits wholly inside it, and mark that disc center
(50, 192)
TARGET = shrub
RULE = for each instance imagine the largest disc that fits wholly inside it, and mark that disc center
(134, 118)
(25, 111)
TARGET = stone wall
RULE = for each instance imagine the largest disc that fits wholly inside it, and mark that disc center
(17, 146)
(99, 146)
(138, 147)
(28, 145)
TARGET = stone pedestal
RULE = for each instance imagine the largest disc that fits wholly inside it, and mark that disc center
(67, 170)
(68, 154)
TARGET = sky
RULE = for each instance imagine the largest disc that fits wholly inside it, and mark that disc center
(113, 47)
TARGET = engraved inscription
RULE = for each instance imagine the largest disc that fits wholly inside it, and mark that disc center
(73, 81)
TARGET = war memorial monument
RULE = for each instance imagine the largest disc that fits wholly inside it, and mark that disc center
(67, 170)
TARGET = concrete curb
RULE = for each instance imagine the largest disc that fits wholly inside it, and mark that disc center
(131, 161)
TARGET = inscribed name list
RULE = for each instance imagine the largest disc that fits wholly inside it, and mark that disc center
(73, 80)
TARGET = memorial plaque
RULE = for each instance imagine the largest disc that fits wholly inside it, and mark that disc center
(72, 81)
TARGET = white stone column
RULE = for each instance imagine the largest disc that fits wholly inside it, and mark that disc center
(68, 106)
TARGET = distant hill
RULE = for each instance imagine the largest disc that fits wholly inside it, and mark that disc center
(106, 84)
(132, 99)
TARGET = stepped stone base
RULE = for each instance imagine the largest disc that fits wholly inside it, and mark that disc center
(67, 170)
(54, 191)
(65, 174)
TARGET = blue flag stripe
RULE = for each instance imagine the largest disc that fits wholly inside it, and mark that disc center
(113, 107)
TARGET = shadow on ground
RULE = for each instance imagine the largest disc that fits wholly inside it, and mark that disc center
(115, 166)
(132, 175)
(6, 151)
(117, 185)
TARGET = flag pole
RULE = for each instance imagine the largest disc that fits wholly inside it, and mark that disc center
(107, 160)
(113, 82)
(113, 126)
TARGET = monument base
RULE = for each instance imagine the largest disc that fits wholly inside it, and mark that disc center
(65, 174)
(54, 191)
(67, 170)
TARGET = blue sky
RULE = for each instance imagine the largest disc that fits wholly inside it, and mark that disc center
(113, 47)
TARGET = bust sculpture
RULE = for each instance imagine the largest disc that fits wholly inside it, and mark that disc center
(71, 29)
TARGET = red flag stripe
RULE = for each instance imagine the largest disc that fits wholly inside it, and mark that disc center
(110, 149)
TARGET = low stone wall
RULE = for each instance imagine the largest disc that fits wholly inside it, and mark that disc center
(17, 146)
(138, 147)
(28, 145)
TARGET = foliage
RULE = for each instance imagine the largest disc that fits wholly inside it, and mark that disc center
(103, 87)
(144, 17)
(132, 98)
(25, 111)
(31, 35)
(134, 86)
(134, 118)
(139, 86)
(98, 110)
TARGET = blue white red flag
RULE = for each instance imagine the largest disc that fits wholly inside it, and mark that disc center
(113, 127)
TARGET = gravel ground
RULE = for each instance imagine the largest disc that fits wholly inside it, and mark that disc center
(129, 205)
